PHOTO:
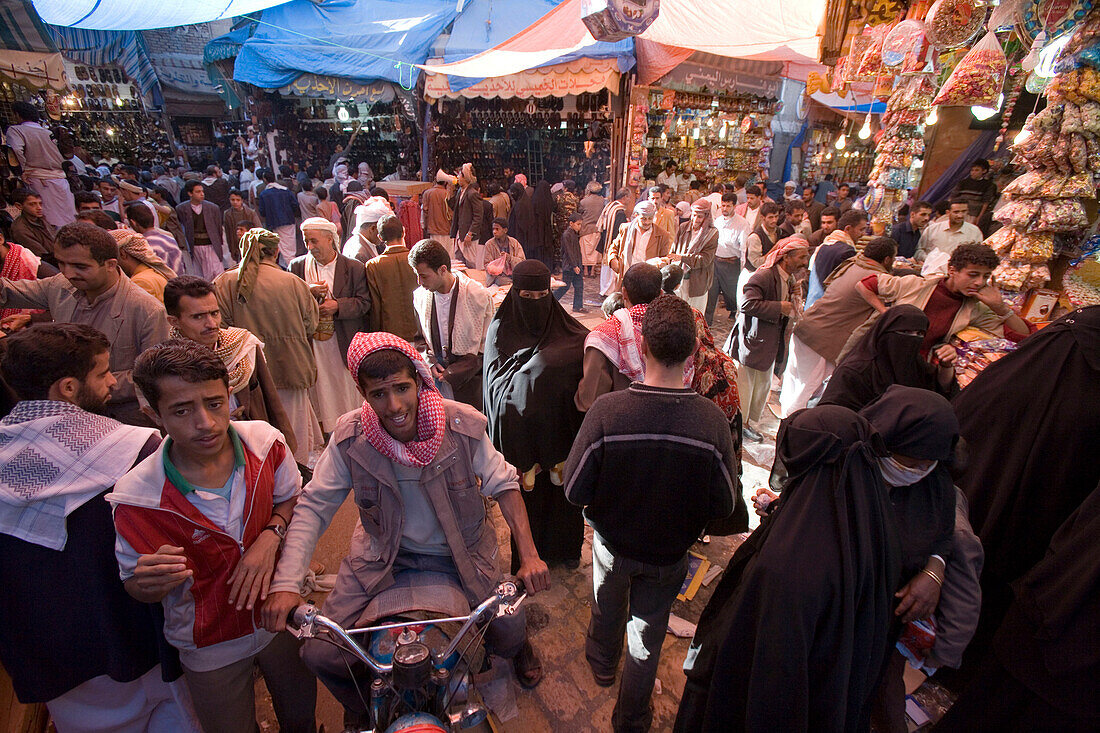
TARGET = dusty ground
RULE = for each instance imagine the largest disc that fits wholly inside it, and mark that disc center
(568, 699)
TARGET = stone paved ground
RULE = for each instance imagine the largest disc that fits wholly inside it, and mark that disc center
(568, 698)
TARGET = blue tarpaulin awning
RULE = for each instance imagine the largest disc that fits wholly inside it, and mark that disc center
(361, 40)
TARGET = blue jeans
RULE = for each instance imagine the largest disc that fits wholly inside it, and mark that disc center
(575, 279)
(634, 597)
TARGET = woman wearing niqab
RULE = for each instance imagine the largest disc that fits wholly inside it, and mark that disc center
(888, 354)
(797, 631)
(533, 363)
(541, 234)
(920, 431)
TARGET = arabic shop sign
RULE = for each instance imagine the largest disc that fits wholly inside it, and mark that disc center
(694, 76)
(333, 87)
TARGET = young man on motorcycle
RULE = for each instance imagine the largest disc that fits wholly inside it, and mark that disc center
(420, 467)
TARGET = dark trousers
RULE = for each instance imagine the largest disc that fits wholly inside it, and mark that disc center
(634, 598)
(224, 699)
(576, 280)
(726, 273)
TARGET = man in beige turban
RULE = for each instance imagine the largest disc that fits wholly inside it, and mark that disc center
(278, 307)
(339, 284)
(141, 264)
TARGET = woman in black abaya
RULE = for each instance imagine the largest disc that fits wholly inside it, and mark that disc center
(533, 364)
(920, 431)
(541, 235)
(1043, 670)
(521, 219)
(889, 353)
(1030, 421)
(798, 629)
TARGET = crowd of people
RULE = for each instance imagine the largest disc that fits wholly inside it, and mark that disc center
(192, 391)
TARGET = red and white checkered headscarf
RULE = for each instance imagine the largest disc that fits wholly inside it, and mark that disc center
(430, 415)
(782, 247)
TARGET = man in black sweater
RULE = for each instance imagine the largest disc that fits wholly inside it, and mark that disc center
(652, 464)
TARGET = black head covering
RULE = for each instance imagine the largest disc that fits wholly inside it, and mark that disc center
(543, 209)
(919, 424)
(884, 356)
(829, 256)
(914, 423)
(1030, 420)
(533, 364)
(803, 612)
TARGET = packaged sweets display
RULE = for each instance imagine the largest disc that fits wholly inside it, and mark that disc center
(978, 78)
(953, 23)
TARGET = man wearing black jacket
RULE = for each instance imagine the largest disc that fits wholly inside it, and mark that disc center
(652, 464)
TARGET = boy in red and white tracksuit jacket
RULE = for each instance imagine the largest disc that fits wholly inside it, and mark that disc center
(155, 506)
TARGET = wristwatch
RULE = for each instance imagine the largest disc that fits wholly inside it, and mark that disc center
(278, 530)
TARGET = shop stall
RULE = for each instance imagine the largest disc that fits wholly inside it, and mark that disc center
(106, 115)
(551, 123)
(710, 116)
(959, 77)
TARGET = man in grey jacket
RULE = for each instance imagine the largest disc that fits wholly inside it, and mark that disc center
(92, 290)
(421, 508)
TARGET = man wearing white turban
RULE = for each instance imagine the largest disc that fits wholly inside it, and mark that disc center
(365, 244)
(640, 242)
(339, 284)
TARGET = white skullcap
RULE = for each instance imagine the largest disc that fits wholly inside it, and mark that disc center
(320, 224)
(646, 208)
(371, 211)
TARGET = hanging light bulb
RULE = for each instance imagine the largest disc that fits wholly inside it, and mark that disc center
(933, 117)
(841, 142)
(984, 113)
(865, 131)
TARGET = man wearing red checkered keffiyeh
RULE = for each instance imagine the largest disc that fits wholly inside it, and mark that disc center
(420, 467)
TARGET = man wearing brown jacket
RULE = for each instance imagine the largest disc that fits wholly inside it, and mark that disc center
(639, 241)
(391, 281)
(277, 307)
(193, 314)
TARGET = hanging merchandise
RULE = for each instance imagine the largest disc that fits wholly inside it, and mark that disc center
(1051, 17)
(978, 78)
(954, 23)
(905, 38)
(870, 63)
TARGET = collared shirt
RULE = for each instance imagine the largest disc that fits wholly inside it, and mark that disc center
(732, 231)
(217, 504)
(907, 238)
(641, 244)
(939, 235)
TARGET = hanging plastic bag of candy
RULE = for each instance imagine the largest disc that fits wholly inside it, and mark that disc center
(870, 62)
(979, 77)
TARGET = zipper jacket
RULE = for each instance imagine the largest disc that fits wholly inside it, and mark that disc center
(155, 506)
